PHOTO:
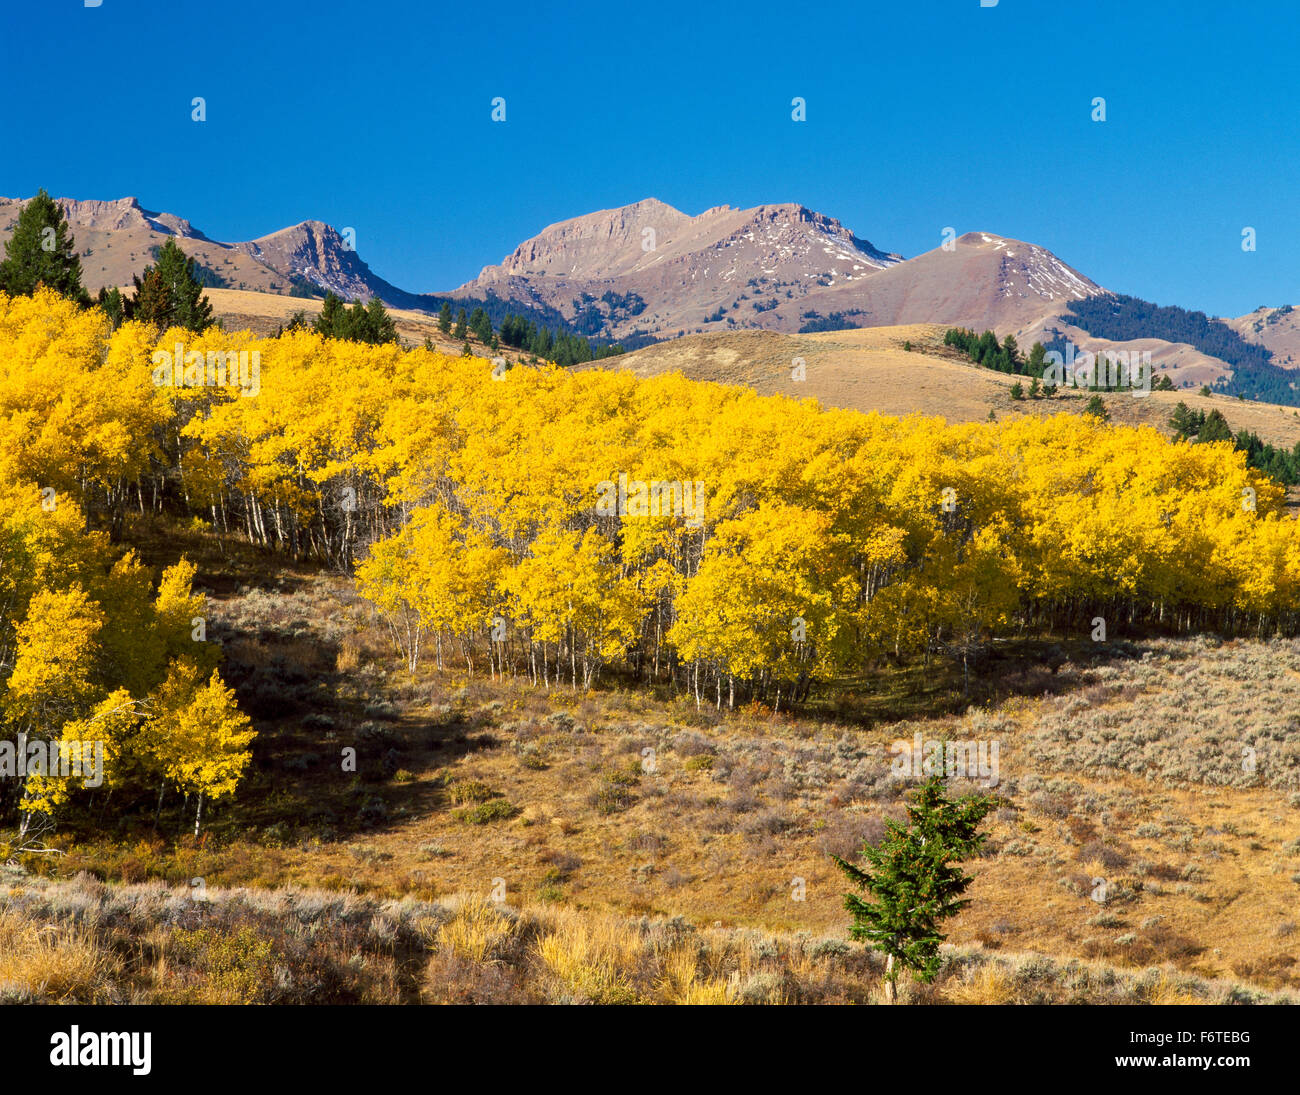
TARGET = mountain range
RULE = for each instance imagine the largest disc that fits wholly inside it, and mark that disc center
(647, 272)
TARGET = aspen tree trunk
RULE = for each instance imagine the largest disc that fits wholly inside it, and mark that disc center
(198, 814)
(891, 995)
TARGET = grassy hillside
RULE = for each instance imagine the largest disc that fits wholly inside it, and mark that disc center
(1117, 763)
(84, 941)
(265, 313)
(868, 369)
(232, 591)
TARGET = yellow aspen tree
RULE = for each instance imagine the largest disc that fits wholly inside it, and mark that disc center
(199, 737)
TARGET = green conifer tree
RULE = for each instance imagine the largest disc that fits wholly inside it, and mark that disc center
(1037, 363)
(175, 297)
(1097, 408)
(1215, 428)
(113, 305)
(330, 321)
(481, 325)
(42, 251)
(154, 302)
(379, 326)
(915, 880)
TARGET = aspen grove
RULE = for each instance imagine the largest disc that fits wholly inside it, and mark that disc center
(467, 501)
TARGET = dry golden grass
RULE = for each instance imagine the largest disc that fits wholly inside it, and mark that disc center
(990, 984)
(592, 958)
(868, 370)
(53, 962)
(682, 982)
(1201, 873)
(1166, 991)
(306, 946)
(349, 654)
(476, 932)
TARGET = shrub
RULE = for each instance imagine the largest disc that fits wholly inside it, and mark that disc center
(465, 791)
(232, 967)
(498, 809)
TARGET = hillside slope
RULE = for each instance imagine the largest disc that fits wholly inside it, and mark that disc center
(868, 370)
(984, 282)
(1276, 329)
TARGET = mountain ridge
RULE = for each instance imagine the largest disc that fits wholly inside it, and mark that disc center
(646, 272)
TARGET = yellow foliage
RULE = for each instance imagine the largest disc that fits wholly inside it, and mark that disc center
(199, 734)
(572, 520)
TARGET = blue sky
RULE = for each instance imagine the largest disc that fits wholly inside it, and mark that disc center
(920, 115)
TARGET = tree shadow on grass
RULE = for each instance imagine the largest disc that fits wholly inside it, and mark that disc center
(1031, 668)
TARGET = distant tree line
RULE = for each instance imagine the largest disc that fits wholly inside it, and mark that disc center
(1002, 357)
(1119, 317)
(301, 287)
(1200, 426)
(558, 346)
(1005, 357)
(369, 323)
(836, 321)
(372, 324)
